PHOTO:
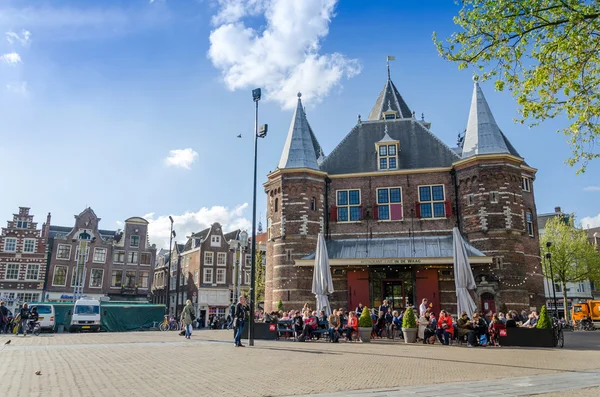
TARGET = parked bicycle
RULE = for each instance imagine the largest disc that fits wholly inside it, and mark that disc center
(585, 325)
(169, 324)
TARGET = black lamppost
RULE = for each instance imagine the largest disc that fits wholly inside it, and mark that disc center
(549, 257)
(257, 134)
(168, 289)
(178, 281)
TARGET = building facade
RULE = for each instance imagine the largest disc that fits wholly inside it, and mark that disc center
(117, 265)
(387, 198)
(159, 283)
(22, 260)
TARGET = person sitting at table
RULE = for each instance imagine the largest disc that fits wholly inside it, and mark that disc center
(335, 326)
(297, 323)
(389, 322)
(429, 333)
(310, 325)
(532, 322)
(495, 327)
(322, 316)
(465, 328)
(445, 328)
(479, 326)
(380, 325)
(510, 321)
(352, 326)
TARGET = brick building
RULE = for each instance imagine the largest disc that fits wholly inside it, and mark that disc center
(114, 264)
(22, 260)
(387, 198)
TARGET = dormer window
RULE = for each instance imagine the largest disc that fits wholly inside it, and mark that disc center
(387, 155)
(390, 115)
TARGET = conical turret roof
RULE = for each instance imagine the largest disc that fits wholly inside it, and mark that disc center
(301, 149)
(390, 100)
(483, 136)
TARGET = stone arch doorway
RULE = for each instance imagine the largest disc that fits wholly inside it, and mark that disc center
(488, 302)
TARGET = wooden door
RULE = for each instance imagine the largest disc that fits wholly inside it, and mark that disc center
(427, 286)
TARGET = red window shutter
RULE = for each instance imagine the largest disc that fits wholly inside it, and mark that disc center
(333, 213)
(375, 212)
(448, 205)
(396, 212)
(417, 209)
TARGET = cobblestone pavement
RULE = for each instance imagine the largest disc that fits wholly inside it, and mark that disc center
(159, 363)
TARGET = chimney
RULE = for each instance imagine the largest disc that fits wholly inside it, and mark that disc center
(46, 226)
(557, 210)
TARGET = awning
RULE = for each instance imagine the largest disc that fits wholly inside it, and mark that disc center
(394, 251)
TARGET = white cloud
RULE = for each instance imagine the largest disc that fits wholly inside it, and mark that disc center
(181, 158)
(191, 222)
(592, 188)
(282, 57)
(19, 89)
(11, 58)
(590, 221)
(24, 38)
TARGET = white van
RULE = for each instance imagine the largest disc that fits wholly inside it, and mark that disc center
(46, 316)
(85, 316)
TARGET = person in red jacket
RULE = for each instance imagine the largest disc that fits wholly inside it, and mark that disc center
(352, 325)
(445, 328)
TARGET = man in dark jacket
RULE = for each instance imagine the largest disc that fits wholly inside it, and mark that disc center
(239, 319)
(3, 317)
(24, 313)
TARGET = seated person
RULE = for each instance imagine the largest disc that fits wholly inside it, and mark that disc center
(352, 326)
(310, 325)
(335, 326)
(429, 333)
(322, 316)
(510, 321)
(389, 322)
(495, 327)
(33, 317)
(532, 322)
(297, 323)
(445, 328)
(396, 320)
(465, 328)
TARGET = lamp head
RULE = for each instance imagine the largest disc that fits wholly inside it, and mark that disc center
(548, 256)
(262, 130)
(256, 94)
(171, 218)
(549, 244)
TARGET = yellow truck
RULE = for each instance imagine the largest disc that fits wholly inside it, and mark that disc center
(587, 312)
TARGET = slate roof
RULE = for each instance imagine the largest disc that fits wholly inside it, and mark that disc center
(419, 148)
(390, 98)
(62, 231)
(483, 136)
(396, 247)
(301, 148)
(232, 235)
(202, 235)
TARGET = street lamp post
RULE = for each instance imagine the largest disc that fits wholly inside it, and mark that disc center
(549, 257)
(243, 246)
(256, 94)
(168, 298)
(177, 285)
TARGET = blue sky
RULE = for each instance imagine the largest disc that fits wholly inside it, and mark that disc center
(95, 96)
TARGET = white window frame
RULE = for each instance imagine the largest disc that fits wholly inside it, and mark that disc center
(348, 206)
(131, 238)
(223, 273)
(18, 271)
(58, 252)
(101, 278)
(12, 239)
(96, 251)
(246, 276)
(205, 279)
(66, 275)
(141, 278)
(25, 241)
(526, 184)
(111, 278)
(529, 227)
(27, 278)
(222, 255)
(248, 260)
(211, 255)
(118, 252)
(215, 241)
(432, 201)
(135, 260)
(21, 226)
(389, 203)
(387, 156)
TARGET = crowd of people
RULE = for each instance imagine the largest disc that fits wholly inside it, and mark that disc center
(24, 321)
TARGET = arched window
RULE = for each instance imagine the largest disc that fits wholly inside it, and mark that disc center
(313, 204)
(276, 204)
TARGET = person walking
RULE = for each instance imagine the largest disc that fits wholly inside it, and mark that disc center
(3, 317)
(24, 314)
(239, 319)
(188, 318)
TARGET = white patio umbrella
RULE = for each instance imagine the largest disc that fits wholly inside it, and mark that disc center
(463, 275)
(322, 281)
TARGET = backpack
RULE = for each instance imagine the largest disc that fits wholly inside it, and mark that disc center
(483, 340)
